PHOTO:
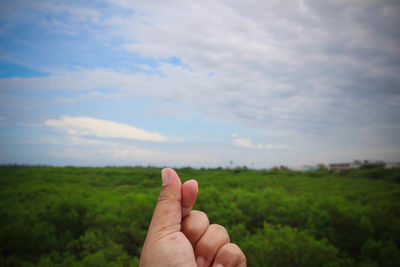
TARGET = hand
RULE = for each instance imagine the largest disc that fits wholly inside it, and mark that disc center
(179, 236)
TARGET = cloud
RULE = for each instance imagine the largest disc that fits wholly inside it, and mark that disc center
(247, 143)
(65, 19)
(243, 142)
(322, 72)
(153, 156)
(86, 126)
(133, 155)
(95, 150)
(309, 68)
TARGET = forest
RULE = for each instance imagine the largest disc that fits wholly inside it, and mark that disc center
(78, 216)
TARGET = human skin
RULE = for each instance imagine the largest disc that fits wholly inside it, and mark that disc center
(180, 236)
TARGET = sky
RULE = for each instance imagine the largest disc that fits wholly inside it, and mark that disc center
(199, 83)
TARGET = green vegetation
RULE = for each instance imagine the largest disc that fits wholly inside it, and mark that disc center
(99, 216)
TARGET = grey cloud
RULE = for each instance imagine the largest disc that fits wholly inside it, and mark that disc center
(309, 67)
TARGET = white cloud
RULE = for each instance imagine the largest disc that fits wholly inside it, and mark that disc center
(86, 126)
(247, 143)
(243, 142)
(277, 146)
(95, 150)
(153, 156)
(282, 68)
(308, 67)
(65, 19)
(325, 72)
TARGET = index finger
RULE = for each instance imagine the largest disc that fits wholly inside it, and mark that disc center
(189, 192)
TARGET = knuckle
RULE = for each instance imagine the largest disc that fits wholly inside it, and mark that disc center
(231, 254)
(219, 228)
(235, 247)
(229, 251)
(195, 224)
(201, 215)
(188, 227)
(244, 260)
(221, 232)
(234, 251)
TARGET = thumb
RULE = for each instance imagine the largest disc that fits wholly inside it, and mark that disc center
(167, 215)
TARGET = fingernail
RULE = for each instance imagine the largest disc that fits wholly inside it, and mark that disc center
(164, 176)
(219, 265)
(200, 262)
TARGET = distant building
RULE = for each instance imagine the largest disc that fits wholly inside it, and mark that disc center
(374, 164)
(392, 165)
(339, 166)
(357, 164)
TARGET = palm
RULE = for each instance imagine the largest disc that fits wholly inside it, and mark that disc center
(180, 251)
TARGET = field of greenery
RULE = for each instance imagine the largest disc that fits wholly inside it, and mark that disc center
(99, 216)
